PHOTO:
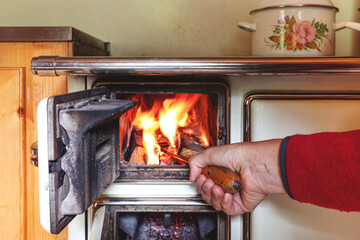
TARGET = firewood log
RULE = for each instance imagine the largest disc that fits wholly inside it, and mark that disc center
(138, 137)
(191, 142)
(187, 153)
(138, 155)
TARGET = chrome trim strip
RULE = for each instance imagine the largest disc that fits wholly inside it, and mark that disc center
(54, 66)
(294, 5)
(273, 96)
(158, 202)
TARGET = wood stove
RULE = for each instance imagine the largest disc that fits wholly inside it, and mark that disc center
(156, 199)
(98, 139)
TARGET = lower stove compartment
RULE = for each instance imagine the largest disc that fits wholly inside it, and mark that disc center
(158, 219)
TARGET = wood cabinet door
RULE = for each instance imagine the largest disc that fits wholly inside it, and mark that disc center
(25, 199)
(12, 155)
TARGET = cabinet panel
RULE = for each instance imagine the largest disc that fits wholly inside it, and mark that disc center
(36, 88)
(279, 217)
(12, 162)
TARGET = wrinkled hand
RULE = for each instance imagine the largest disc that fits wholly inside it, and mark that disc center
(257, 164)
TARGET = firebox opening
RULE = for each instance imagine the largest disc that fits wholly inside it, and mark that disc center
(180, 123)
(162, 225)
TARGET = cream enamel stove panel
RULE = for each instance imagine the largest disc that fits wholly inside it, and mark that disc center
(280, 217)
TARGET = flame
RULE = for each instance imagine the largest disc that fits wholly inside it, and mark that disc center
(147, 122)
(166, 116)
(204, 139)
(174, 114)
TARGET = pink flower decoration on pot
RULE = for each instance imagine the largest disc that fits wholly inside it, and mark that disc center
(304, 31)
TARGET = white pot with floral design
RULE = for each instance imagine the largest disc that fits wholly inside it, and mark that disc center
(295, 28)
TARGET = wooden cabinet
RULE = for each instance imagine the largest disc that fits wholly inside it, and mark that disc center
(20, 93)
(12, 174)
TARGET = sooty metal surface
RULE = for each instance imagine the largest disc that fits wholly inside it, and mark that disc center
(85, 127)
(162, 173)
(91, 162)
(166, 219)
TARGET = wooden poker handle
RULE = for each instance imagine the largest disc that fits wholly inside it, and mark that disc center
(228, 180)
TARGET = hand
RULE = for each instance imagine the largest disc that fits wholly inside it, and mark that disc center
(257, 163)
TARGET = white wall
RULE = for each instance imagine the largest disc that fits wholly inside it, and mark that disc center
(162, 27)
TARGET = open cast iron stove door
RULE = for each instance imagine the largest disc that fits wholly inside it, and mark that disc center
(78, 141)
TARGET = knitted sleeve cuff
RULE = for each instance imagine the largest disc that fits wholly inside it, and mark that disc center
(283, 146)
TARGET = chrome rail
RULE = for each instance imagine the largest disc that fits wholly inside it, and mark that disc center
(55, 66)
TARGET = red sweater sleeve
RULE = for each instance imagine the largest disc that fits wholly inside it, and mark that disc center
(323, 169)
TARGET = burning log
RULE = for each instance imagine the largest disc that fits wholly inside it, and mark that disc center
(138, 152)
(175, 156)
(165, 143)
(138, 136)
(190, 140)
(175, 123)
(138, 155)
(186, 147)
(187, 153)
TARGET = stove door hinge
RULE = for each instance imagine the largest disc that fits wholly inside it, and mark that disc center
(54, 166)
(222, 134)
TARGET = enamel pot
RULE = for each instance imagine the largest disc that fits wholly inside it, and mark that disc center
(295, 28)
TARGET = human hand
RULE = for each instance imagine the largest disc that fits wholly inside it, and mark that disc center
(257, 163)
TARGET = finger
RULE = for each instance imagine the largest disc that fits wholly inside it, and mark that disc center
(217, 155)
(206, 190)
(196, 164)
(194, 172)
(227, 204)
(200, 182)
(223, 156)
(217, 196)
(200, 161)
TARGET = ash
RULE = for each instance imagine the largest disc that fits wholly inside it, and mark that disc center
(181, 227)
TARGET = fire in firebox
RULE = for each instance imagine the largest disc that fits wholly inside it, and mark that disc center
(178, 123)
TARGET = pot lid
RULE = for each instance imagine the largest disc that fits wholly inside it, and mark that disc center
(270, 4)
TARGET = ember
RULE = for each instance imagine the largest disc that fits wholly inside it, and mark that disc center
(181, 226)
(152, 227)
(178, 123)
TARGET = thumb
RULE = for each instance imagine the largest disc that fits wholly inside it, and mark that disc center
(215, 155)
(196, 163)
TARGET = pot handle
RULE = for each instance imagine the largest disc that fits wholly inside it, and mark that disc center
(250, 27)
(352, 25)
